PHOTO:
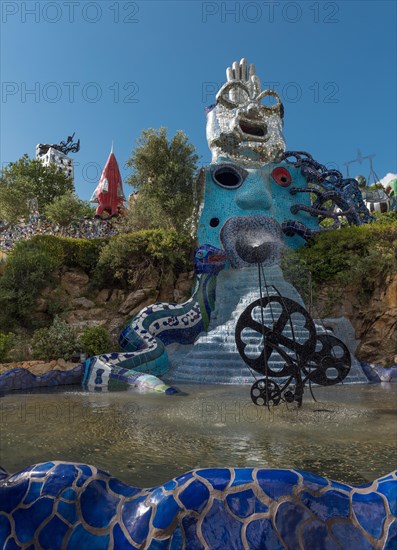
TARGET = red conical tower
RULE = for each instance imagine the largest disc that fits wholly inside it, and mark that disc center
(109, 192)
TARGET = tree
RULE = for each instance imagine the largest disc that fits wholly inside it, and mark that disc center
(67, 208)
(164, 176)
(27, 179)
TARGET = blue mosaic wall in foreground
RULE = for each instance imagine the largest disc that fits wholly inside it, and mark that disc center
(64, 505)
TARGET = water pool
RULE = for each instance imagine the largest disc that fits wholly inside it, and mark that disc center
(349, 434)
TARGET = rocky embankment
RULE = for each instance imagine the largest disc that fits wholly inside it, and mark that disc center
(38, 367)
(374, 319)
(75, 303)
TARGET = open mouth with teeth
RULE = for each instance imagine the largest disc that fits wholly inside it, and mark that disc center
(253, 129)
(251, 239)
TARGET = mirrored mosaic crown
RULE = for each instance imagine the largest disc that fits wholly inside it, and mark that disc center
(243, 125)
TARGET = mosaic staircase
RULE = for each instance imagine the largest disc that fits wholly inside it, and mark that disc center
(213, 358)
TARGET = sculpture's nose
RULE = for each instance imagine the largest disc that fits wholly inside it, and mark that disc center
(254, 194)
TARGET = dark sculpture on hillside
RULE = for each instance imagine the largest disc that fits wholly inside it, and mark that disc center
(65, 146)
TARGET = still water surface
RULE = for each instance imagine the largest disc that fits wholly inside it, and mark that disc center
(349, 434)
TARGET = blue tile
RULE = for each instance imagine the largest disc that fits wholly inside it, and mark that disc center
(327, 506)
(42, 469)
(136, 516)
(350, 537)
(312, 481)
(52, 534)
(277, 483)
(245, 503)
(242, 476)
(189, 526)
(97, 506)
(27, 520)
(170, 485)
(68, 511)
(69, 494)
(220, 530)
(391, 541)
(12, 495)
(81, 538)
(315, 535)
(219, 477)
(86, 473)
(58, 479)
(183, 478)
(289, 518)
(12, 545)
(195, 496)
(166, 512)
(122, 489)
(389, 489)
(34, 492)
(5, 529)
(386, 478)
(160, 544)
(338, 485)
(120, 540)
(261, 535)
(370, 512)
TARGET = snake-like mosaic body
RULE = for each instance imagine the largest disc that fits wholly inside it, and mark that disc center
(63, 505)
(146, 335)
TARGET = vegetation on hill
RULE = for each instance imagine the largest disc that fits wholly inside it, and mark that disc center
(124, 261)
(164, 174)
(355, 255)
(350, 256)
(68, 208)
(28, 179)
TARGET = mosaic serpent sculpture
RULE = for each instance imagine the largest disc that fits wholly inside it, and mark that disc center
(378, 373)
(147, 334)
(58, 505)
(19, 379)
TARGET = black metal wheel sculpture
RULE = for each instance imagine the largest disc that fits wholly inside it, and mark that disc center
(285, 330)
(265, 392)
(282, 311)
(330, 364)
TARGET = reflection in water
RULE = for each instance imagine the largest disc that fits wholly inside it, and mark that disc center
(349, 434)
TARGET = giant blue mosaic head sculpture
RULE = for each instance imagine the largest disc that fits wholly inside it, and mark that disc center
(258, 197)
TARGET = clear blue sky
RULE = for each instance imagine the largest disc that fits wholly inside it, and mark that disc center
(109, 69)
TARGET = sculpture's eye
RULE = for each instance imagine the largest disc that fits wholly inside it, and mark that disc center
(228, 176)
(282, 176)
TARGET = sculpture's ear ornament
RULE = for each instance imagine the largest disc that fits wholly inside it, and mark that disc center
(277, 108)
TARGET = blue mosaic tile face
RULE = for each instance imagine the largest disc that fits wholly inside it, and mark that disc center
(258, 194)
(263, 509)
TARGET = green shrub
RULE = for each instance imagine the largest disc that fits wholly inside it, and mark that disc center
(95, 341)
(82, 253)
(68, 207)
(128, 258)
(353, 255)
(385, 217)
(55, 342)
(28, 270)
(6, 342)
